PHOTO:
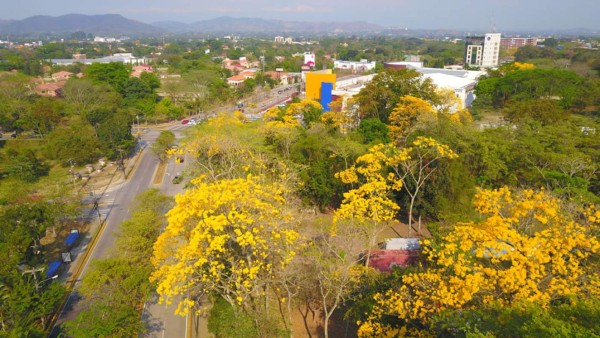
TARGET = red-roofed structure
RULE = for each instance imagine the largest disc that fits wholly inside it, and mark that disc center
(61, 76)
(386, 260)
(49, 89)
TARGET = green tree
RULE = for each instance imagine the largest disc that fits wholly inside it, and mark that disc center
(115, 74)
(83, 96)
(372, 130)
(26, 165)
(151, 80)
(77, 143)
(383, 93)
(166, 140)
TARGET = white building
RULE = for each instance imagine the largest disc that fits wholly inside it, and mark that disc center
(125, 58)
(461, 82)
(279, 39)
(483, 51)
(309, 58)
(359, 66)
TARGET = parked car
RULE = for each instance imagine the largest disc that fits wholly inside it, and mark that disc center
(186, 121)
(177, 179)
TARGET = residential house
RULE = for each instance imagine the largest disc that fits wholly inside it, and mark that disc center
(237, 80)
(138, 70)
(61, 76)
(282, 77)
(49, 89)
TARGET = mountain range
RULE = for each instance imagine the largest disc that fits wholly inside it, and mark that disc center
(109, 24)
(257, 25)
(114, 24)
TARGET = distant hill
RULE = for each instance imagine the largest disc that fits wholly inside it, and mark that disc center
(172, 26)
(257, 25)
(106, 24)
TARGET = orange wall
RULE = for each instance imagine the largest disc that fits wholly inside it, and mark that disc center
(313, 84)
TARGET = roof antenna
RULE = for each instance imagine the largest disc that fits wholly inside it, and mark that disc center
(493, 23)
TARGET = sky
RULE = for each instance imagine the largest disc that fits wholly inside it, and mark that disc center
(467, 15)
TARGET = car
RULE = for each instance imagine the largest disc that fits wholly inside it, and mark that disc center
(185, 121)
(177, 179)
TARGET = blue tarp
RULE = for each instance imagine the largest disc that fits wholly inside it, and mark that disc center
(53, 268)
(71, 238)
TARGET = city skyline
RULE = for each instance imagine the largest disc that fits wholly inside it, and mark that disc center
(425, 14)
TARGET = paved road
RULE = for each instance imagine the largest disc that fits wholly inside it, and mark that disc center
(160, 318)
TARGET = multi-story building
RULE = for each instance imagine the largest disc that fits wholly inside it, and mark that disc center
(517, 42)
(482, 51)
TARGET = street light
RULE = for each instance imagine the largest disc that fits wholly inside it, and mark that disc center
(37, 284)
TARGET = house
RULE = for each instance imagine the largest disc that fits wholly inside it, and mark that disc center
(49, 89)
(61, 76)
(136, 71)
(236, 80)
(282, 77)
(400, 252)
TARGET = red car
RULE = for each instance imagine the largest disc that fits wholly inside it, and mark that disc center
(185, 121)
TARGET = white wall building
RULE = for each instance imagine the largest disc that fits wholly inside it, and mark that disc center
(125, 58)
(483, 51)
(462, 82)
(491, 50)
(359, 66)
(309, 57)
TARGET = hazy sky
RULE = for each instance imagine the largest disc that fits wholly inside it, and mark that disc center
(430, 14)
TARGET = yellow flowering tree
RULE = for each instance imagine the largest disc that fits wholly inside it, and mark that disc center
(452, 107)
(526, 248)
(223, 147)
(228, 237)
(310, 110)
(386, 168)
(335, 119)
(281, 129)
(406, 114)
(370, 203)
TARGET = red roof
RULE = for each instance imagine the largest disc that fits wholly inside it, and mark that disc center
(385, 260)
(50, 86)
(62, 74)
